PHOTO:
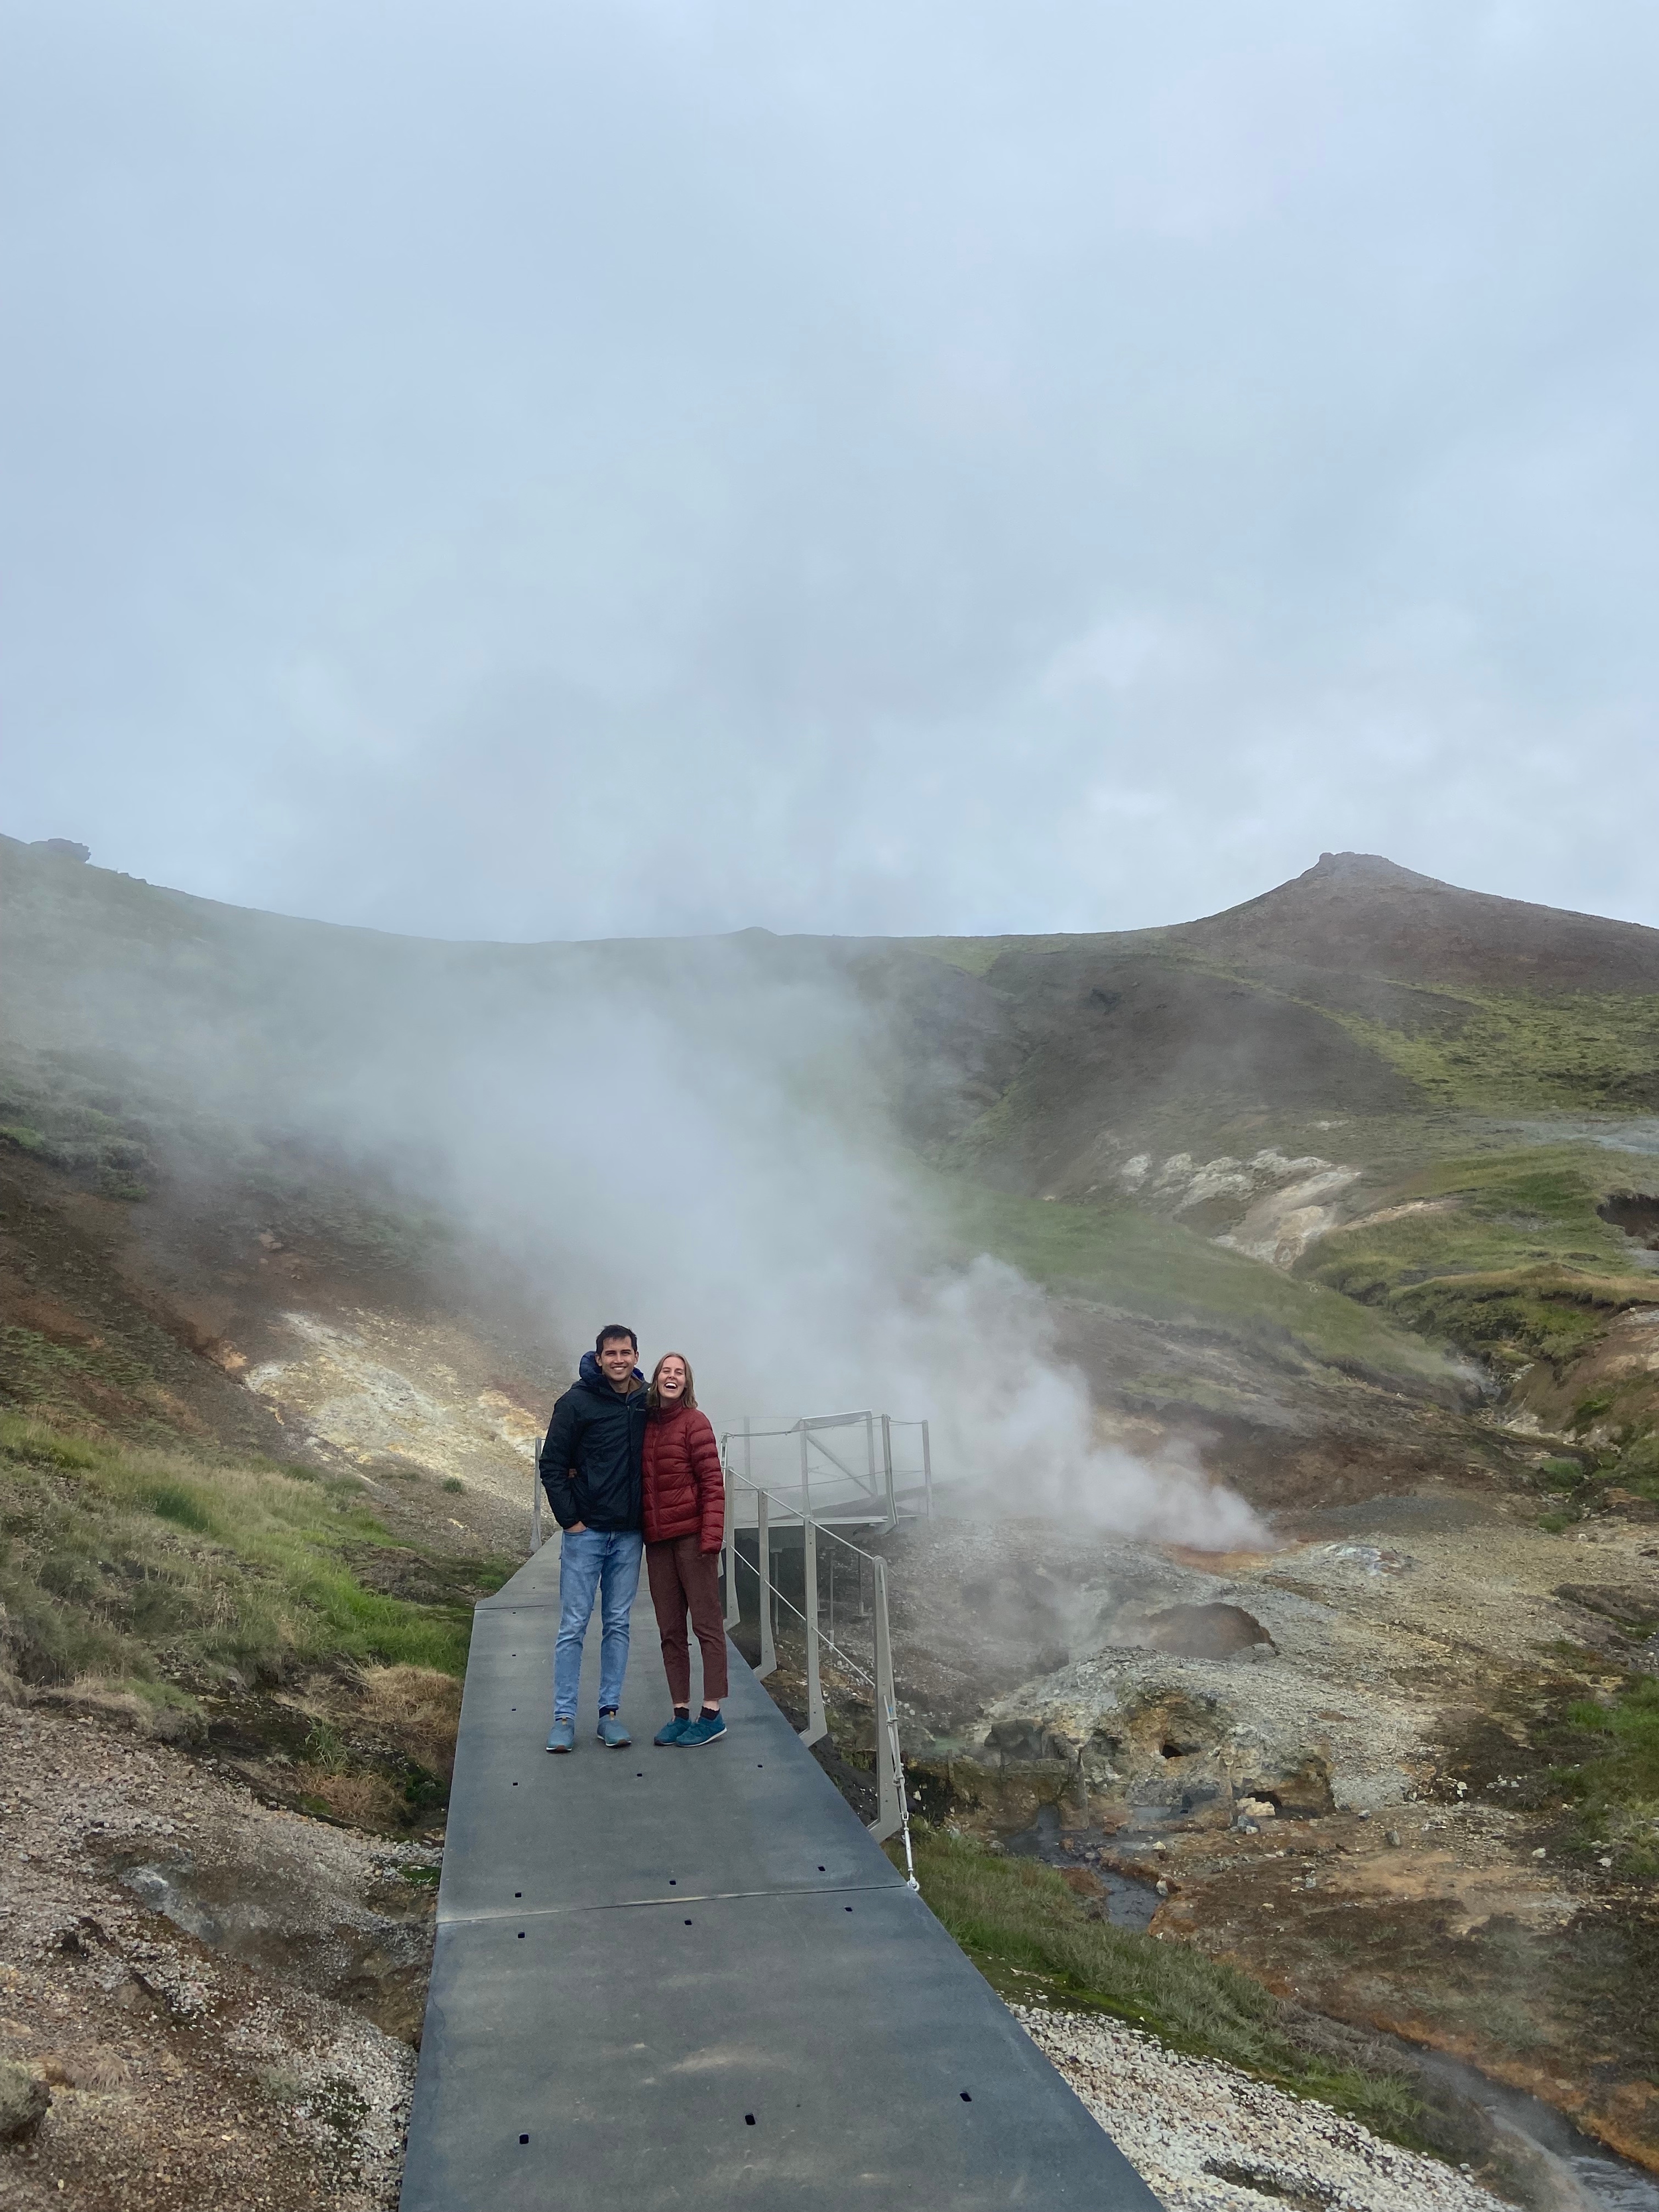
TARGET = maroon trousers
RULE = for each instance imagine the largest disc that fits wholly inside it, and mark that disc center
(684, 1578)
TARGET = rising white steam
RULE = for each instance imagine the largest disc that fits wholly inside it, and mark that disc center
(1016, 1419)
(695, 1138)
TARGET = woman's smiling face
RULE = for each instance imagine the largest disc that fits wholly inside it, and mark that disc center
(670, 1379)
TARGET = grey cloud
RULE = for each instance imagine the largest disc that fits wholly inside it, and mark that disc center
(554, 472)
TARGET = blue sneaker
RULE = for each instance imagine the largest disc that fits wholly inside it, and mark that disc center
(612, 1733)
(671, 1731)
(562, 1737)
(708, 1727)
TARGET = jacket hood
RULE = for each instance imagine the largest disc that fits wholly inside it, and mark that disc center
(594, 1376)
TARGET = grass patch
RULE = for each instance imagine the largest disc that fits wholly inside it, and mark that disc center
(974, 956)
(1027, 1933)
(1574, 1743)
(1614, 1789)
(1509, 1262)
(148, 1568)
(79, 1126)
(1144, 1265)
(1510, 1053)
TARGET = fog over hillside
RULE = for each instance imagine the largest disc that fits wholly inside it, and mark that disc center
(703, 1138)
(1256, 1192)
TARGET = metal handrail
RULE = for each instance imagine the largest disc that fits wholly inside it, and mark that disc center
(893, 1803)
(892, 1798)
(877, 1479)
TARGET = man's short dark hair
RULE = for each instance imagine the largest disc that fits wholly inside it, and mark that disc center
(611, 1331)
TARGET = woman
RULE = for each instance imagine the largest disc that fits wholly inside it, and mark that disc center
(684, 1525)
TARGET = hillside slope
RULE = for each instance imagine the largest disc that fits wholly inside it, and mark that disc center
(1351, 1194)
(1272, 1166)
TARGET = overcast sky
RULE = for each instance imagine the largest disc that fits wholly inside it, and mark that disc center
(557, 470)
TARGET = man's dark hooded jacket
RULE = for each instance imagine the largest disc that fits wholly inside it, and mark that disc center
(590, 1462)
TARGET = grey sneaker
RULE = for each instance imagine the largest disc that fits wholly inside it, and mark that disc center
(612, 1733)
(562, 1737)
(706, 1728)
(672, 1731)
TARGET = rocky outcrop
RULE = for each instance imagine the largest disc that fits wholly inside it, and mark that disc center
(1131, 1739)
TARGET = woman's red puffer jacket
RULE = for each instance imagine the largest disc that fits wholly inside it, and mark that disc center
(685, 1488)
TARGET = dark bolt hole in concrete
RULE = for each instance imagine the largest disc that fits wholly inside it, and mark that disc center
(749, 2119)
(523, 2139)
(966, 2099)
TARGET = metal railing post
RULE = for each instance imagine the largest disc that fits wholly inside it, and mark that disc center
(887, 1470)
(535, 1507)
(733, 1604)
(870, 1450)
(768, 1655)
(927, 1474)
(817, 1726)
(890, 1778)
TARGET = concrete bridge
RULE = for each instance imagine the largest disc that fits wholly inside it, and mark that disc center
(693, 1980)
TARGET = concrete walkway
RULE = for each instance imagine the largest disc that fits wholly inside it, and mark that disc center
(691, 1979)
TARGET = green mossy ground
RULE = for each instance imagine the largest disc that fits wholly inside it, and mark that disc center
(1510, 1052)
(76, 1123)
(1507, 1260)
(1031, 1937)
(1143, 1264)
(1574, 1743)
(1613, 1786)
(174, 1575)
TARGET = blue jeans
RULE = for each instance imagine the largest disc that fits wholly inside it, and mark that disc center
(606, 1563)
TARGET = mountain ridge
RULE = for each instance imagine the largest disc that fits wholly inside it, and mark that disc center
(1362, 884)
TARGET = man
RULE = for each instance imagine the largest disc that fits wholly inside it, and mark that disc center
(590, 1470)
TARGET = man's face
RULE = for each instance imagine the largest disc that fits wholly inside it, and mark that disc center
(617, 1357)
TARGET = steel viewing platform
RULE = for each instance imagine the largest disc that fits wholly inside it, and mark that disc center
(693, 1980)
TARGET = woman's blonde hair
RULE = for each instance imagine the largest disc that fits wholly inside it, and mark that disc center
(653, 1397)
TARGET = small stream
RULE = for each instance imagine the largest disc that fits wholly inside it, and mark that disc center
(1127, 1903)
(1606, 2184)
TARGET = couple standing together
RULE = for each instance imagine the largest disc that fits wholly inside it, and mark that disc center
(631, 1468)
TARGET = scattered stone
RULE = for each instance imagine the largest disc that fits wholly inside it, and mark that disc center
(1208, 2137)
(159, 1899)
(1626, 1503)
(24, 2098)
